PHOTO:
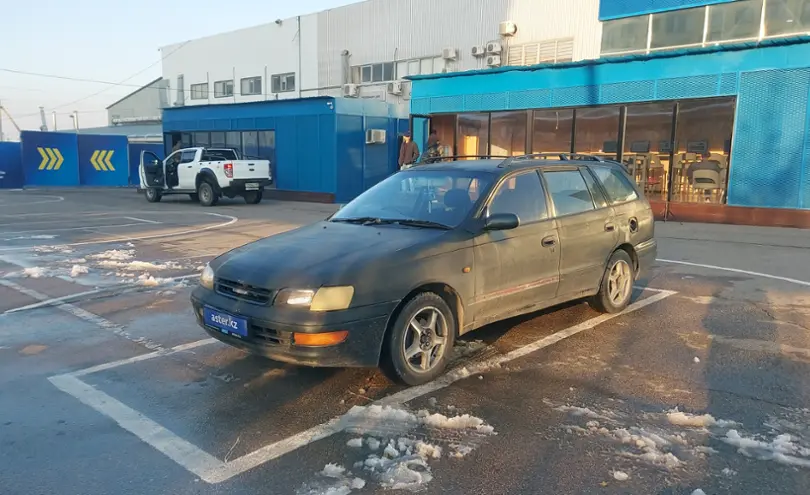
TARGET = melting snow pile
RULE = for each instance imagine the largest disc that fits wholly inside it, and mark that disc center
(115, 255)
(400, 460)
(784, 449)
(34, 272)
(148, 280)
(78, 270)
(678, 418)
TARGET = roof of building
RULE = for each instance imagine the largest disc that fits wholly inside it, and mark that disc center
(248, 103)
(620, 59)
(142, 130)
(136, 91)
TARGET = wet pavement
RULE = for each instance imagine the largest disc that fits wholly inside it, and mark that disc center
(108, 386)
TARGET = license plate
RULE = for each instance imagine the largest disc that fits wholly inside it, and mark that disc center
(251, 186)
(225, 323)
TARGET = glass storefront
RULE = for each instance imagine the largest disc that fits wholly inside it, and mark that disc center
(699, 170)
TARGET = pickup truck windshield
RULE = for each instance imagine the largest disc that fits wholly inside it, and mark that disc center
(430, 196)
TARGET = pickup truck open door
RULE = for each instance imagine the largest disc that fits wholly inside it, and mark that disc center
(152, 171)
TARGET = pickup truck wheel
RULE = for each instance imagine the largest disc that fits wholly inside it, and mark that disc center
(253, 197)
(207, 195)
(152, 195)
(418, 345)
(194, 197)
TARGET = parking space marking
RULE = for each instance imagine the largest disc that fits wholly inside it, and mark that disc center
(212, 470)
(231, 220)
(84, 315)
(68, 229)
(736, 270)
(57, 199)
(143, 220)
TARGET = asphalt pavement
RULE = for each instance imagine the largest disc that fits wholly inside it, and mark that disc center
(107, 385)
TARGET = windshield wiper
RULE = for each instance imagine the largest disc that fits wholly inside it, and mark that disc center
(420, 223)
(357, 220)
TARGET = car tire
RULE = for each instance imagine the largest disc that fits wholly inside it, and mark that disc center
(253, 197)
(152, 195)
(616, 290)
(207, 194)
(194, 197)
(401, 337)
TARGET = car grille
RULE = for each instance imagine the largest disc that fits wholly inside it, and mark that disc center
(268, 336)
(243, 292)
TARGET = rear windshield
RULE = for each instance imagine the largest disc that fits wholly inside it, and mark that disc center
(219, 155)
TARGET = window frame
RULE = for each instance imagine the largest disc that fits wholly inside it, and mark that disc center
(280, 83)
(249, 79)
(572, 168)
(196, 94)
(224, 83)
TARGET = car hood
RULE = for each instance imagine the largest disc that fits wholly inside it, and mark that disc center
(323, 253)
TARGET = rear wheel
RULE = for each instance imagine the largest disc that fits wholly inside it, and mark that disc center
(253, 197)
(207, 195)
(617, 284)
(152, 195)
(419, 344)
(194, 197)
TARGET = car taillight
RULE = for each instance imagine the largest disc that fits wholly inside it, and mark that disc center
(229, 170)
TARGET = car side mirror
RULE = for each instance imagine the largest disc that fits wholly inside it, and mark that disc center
(502, 221)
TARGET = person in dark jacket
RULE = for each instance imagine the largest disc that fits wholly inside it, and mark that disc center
(408, 152)
(433, 151)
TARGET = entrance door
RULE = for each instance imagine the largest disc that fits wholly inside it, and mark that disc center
(420, 128)
(151, 170)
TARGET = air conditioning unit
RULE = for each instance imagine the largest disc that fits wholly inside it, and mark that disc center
(494, 48)
(450, 54)
(351, 91)
(479, 51)
(494, 61)
(375, 136)
(507, 28)
(395, 88)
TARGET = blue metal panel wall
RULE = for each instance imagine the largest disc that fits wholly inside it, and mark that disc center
(11, 169)
(103, 160)
(771, 139)
(351, 144)
(135, 158)
(305, 153)
(377, 166)
(769, 81)
(50, 158)
(616, 9)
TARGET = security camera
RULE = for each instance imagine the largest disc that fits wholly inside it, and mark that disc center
(279, 21)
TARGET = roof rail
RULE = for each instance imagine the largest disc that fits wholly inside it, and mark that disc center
(563, 157)
(438, 159)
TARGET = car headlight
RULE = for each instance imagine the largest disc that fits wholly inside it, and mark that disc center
(323, 299)
(207, 277)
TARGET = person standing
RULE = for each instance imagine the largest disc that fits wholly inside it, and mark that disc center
(433, 151)
(408, 152)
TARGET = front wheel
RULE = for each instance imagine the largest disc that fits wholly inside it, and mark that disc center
(207, 195)
(253, 197)
(152, 195)
(617, 284)
(419, 344)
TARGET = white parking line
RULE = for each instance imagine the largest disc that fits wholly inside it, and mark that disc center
(212, 470)
(56, 199)
(735, 270)
(111, 226)
(142, 220)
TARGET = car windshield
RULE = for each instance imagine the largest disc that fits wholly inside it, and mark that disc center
(437, 198)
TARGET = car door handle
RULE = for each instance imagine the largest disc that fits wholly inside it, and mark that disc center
(188, 166)
(609, 227)
(549, 241)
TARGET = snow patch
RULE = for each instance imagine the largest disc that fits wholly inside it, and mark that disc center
(333, 470)
(115, 255)
(147, 280)
(678, 418)
(698, 492)
(33, 237)
(782, 449)
(620, 476)
(140, 266)
(355, 443)
(78, 270)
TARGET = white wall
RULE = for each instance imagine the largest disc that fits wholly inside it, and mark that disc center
(147, 102)
(375, 31)
(259, 51)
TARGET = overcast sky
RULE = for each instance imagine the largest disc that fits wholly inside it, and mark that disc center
(107, 40)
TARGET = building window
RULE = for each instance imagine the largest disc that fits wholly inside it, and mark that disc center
(734, 21)
(785, 17)
(597, 131)
(473, 134)
(223, 89)
(199, 91)
(678, 28)
(202, 139)
(625, 35)
(508, 135)
(551, 131)
(283, 83)
(703, 145)
(374, 73)
(647, 145)
(552, 51)
(251, 86)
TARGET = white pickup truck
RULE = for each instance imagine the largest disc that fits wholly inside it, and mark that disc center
(205, 174)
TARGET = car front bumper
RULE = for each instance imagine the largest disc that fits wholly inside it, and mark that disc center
(270, 333)
(646, 251)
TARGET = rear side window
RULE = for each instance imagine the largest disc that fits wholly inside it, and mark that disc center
(569, 192)
(188, 156)
(616, 184)
(522, 195)
(596, 193)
